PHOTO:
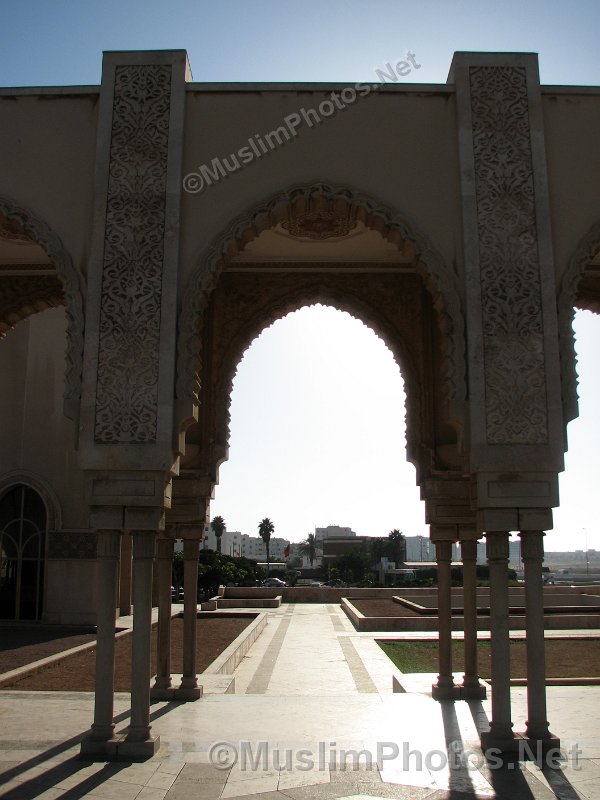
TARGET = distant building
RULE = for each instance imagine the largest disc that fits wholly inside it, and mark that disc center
(333, 532)
(419, 548)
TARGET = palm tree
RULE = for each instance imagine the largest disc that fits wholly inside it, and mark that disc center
(309, 547)
(218, 526)
(397, 546)
(265, 529)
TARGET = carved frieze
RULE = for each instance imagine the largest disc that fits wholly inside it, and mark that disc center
(72, 544)
(513, 336)
(11, 231)
(129, 336)
(21, 296)
(319, 225)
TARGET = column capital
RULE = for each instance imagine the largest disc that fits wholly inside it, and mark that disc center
(144, 545)
(443, 550)
(532, 545)
(191, 548)
(190, 531)
(497, 546)
(468, 549)
(108, 544)
(164, 548)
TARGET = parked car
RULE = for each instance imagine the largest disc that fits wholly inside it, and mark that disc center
(177, 594)
(274, 583)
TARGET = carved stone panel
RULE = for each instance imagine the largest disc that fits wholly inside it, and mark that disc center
(513, 335)
(130, 313)
(72, 544)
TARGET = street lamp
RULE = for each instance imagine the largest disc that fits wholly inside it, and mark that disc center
(587, 556)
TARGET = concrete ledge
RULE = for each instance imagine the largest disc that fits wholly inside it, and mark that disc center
(37, 666)
(245, 602)
(430, 623)
(229, 659)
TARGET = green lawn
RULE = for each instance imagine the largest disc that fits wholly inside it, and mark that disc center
(565, 658)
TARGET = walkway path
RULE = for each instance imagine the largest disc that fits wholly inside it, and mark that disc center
(309, 688)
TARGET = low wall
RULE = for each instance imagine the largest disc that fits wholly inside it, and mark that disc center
(314, 594)
(516, 622)
(229, 659)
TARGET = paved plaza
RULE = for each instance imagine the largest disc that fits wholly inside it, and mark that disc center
(309, 693)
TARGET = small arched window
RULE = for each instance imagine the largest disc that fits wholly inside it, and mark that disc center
(23, 522)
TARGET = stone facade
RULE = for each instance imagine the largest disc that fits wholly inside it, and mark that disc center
(459, 221)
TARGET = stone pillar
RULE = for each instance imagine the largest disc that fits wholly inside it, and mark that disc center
(471, 688)
(500, 734)
(189, 689)
(444, 689)
(139, 742)
(532, 553)
(101, 740)
(125, 575)
(162, 688)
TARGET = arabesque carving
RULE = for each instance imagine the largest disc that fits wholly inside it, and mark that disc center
(128, 353)
(513, 335)
(440, 281)
(73, 287)
(22, 296)
(588, 249)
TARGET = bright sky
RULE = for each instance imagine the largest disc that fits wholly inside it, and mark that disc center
(342, 460)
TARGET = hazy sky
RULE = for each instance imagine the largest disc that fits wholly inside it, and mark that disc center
(318, 405)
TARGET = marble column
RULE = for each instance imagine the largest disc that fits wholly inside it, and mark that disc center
(125, 575)
(471, 688)
(532, 553)
(139, 741)
(189, 689)
(444, 688)
(162, 688)
(500, 734)
(101, 740)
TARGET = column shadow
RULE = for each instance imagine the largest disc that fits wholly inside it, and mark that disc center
(57, 773)
(507, 773)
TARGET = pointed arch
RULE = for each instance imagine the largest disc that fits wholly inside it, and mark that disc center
(440, 280)
(27, 478)
(73, 285)
(588, 248)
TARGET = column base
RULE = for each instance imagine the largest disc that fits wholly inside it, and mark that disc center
(162, 689)
(500, 742)
(536, 748)
(132, 750)
(445, 691)
(100, 750)
(188, 694)
(471, 689)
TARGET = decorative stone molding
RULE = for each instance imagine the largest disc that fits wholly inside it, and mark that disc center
(11, 231)
(130, 314)
(510, 274)
(587, 249)
(319, 225)
(251, 308)
(73, 286)
(72, 545)
(22, 296)
(345, 202)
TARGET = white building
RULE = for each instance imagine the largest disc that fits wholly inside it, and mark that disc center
(333, 532)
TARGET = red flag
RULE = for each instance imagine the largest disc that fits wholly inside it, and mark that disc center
(286, 552)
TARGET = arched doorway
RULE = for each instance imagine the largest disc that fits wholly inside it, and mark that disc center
(318, 431)
(23, 528)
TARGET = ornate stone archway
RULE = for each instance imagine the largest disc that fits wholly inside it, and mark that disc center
(569, 298)
(315, 203)
(34, 296)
